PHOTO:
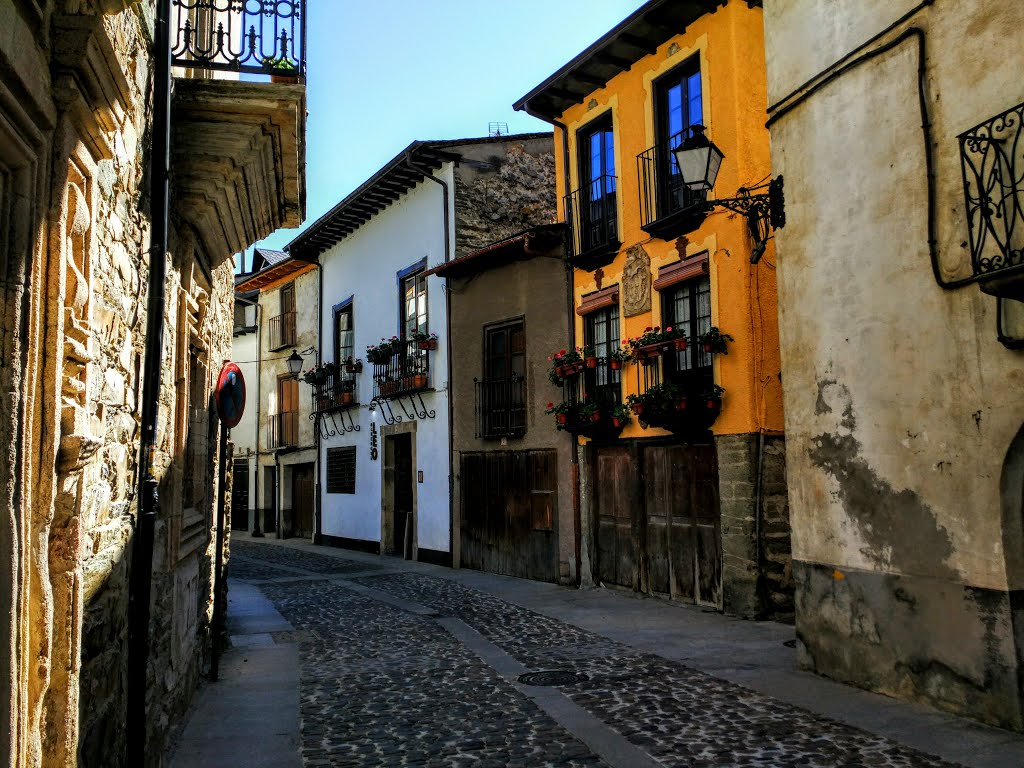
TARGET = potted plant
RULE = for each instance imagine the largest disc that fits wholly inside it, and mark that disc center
(565, 363)
(590, 357)
(714, 340)
(560, 412)
(353, 366)
(425, 340)
(638, 403)
(288, 73)
(588, 412)
(419, 381)
(620, 415)
(347, 397)
(677, 336)
(619, 357)
(713, 397)
(379, 354)
(318, 374)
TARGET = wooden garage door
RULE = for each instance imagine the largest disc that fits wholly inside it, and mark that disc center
(658, 520)
(683, 540)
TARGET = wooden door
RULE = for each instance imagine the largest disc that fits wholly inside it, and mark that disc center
(288, 407)
(403, 493)
(682, 534)
(618, 551)
(509, 503)
(303, 492)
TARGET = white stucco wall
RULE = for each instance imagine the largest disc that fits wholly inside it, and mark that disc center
(365, 265)
(900, 402)
(244, 349)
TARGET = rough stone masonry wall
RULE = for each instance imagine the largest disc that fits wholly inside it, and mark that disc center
(85, 300)
(752, 589)
(501, 189)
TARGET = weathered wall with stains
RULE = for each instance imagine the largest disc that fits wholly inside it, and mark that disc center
(901, 405)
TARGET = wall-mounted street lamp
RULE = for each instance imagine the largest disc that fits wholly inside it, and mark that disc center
(294, 363)
(699, 161)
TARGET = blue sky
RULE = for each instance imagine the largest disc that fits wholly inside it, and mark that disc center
(387, 72)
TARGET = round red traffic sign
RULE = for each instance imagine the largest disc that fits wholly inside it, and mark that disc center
(230, 395)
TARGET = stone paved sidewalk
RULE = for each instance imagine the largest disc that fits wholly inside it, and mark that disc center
(406, 664)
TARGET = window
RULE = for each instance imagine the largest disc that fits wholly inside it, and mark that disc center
(501, 395)
(341, 470)
(593, 208)
(282, 327)
(687, 305)
(677, 107)
(414, 304)
(344, 335)
(601, 332)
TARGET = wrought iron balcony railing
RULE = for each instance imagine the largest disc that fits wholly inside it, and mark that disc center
(282, 330)
(501, 407)
(256, 36)
(337, 390)
(284, 430)
(406, 371)
(668, 208)
(592, 215)
(992, 157)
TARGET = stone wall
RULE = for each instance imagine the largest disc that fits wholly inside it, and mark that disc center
(502, 187)
(74, 230)
(757, 580)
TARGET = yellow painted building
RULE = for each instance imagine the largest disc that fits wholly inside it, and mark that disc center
(693, 503)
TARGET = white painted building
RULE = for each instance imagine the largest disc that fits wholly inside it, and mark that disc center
(245, 353)
(385, 480)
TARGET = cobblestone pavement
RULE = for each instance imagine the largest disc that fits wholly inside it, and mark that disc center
(385, 686)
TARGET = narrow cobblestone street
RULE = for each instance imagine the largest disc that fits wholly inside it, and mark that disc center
(410, 668)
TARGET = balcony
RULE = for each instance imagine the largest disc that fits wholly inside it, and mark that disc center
(406, 371)
(600, 386)
(668, 208)
(501, 408)
(238, 148)
(993, 167)
(284, 431)
(591, 213)
(282, 331)
(336, 391)
(675, 388)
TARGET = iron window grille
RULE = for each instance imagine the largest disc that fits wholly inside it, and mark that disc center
(406, 371)
(255, 36)
(992, 159)
(336, 390)
(591, 213)
(341, 470)
(500, 407)
(668, 208)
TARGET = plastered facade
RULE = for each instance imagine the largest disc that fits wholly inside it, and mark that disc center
(903, 410)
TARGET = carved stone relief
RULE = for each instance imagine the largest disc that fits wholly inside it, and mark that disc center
(636, 282)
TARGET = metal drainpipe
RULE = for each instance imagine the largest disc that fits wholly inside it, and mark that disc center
(318, 528)
(571, 322)
(448, 352)
(140, 578)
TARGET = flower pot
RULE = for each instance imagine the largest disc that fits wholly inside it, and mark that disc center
(562, 418)
(428, 344)
(714, 403)
(616, 365)
(596, 416)
(651, 350)
(591, 362)
(708, 347)
(419, 381)
(681, 404)
(637, 408)
(680, 344)
(283, 79)
(347, 398)
(616, 422)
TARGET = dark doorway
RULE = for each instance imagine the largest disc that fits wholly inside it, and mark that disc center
(269, 509)
(303, 490)
(240, 495)
(657, 516)
(401, 495)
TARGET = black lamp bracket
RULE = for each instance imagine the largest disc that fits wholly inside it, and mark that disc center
(764, 212)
